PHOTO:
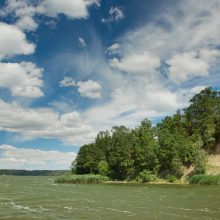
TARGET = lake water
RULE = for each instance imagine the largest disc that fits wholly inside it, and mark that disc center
(39, 198)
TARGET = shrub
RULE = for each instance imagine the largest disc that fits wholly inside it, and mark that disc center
(203, 179)
(201, 162)
(171, 178)
(82, 179)
(103, 168)
(146, 176)
(176, 167)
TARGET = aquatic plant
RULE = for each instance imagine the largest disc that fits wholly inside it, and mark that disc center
(82, 179)
(203, 179)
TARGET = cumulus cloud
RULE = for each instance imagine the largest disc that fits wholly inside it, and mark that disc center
(13, 41)
(149, 89)
(191, 64)
(134, 99)
(114, 49)
(44, 123)
(185, 66)
(70, 8)
(34, 159)
(115, 14)
(162, 53)
(25, 11)
(193, 34)
(22, 79)
(27, 23)
(136, 63)
(89, 89)
(67, 81)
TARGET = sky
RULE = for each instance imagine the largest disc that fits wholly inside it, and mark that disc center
(72, 68)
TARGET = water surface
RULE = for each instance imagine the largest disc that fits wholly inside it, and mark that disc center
(39, 198)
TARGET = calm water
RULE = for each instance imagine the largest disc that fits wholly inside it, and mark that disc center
(39, 198)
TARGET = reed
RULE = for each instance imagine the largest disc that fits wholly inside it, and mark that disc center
(82, 179)
(203, 179)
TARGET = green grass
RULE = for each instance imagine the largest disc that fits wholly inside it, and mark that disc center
(203, 179)
(82, 179)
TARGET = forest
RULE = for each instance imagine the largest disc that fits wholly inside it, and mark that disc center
(163, 150)
(32, 172)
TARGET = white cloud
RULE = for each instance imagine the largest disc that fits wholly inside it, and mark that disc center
(128, 106)
(185, 66)
(70, 8)
(22, 79)
(191, 64)
(89, 89)
(44, 123)
(27, 23)
(13, 41)
(189, 44)
(114, 49)
(82, 42)
(67, 81)
(115, 14)
(169, 35)
(137, 63)
(34, 159)
(210, 56)
(25, 10)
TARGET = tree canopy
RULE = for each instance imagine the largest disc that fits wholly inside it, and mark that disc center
(180, 140)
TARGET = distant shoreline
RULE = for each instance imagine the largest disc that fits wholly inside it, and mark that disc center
(14, 172)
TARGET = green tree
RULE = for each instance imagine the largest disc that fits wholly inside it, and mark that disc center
(176, 145)
(203, 116)
(145, 148)
(88, 158)
(103, 168)
(120, 154)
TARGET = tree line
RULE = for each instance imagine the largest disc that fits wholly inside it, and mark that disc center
(32, 172)
(181, 140)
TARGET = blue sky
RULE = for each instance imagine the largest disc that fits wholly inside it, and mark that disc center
(71, 68)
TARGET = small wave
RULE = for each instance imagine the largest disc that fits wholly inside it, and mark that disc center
(43, 209)
(117, 210)
(88, 200)
(185, 209)
(173, 214)
(20, 207)
(69, 208)
(206, 210)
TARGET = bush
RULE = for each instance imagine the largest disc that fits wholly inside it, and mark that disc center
(103, 168)
(82, 179)
(203, 179)
(176, 167)
(201, 162)
(171, 178)
(146, 176)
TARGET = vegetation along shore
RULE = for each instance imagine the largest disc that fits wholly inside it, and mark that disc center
(177, 149)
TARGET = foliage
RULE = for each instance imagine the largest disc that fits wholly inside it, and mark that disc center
(178, 141)
(203, 179)
(33, 172)
(203, 116)
(200, 162)
(146, 176)
(82, 179)
(103, 168)
(171, 178)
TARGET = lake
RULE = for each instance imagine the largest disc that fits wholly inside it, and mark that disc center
(39, 198)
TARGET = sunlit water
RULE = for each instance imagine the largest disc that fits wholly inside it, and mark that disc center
(39, 198)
